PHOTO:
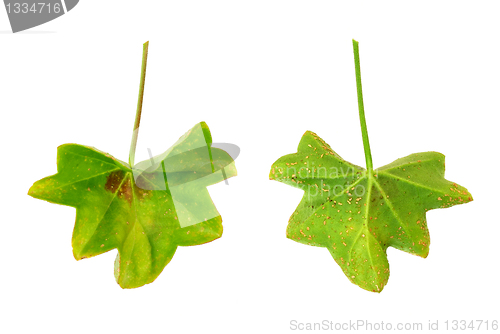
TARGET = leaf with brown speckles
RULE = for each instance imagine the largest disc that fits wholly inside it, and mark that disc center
(358, 213)
(144, 212)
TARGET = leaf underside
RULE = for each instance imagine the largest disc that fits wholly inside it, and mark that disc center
(357, 216)
(139, 211)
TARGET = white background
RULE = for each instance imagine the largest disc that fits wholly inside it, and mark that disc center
(260, 73)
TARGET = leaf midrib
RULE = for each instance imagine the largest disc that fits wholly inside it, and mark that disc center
(391, 207)
(84, 179)
(105, 212)
(136, 220)
(373, 181)
(96, 158)
(365, 226)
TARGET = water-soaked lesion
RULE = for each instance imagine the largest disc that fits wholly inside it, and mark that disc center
(114, 180)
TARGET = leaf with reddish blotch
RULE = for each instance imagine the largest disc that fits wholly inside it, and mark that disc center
(144, 212)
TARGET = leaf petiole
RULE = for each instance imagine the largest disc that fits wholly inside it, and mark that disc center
(364, 130)
(135, 134)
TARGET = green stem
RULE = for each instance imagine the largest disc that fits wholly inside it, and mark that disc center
(135, 134)
(364, 131)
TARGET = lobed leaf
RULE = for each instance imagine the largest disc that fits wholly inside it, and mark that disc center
(357, 215)
(144, 212)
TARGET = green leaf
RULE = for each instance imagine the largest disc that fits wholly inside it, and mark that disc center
(358, 213)
(357, 216)
(144, 212)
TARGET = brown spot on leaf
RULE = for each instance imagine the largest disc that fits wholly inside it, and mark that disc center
(114, 180)
(126, 191)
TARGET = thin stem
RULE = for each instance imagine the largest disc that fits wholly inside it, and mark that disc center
(364, 131)
(135, 134)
